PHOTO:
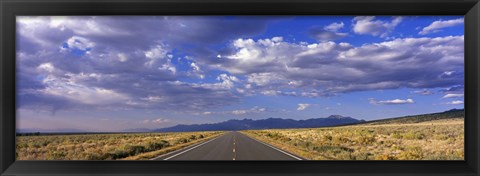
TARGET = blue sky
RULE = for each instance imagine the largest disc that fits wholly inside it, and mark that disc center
(114, 73)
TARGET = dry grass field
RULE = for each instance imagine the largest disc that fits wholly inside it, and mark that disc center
(438, 136)
(409, 138)
(134, 146)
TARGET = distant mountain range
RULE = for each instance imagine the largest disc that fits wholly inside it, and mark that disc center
(270, 123)
(135, 130)
(274, 123)
(58, 130)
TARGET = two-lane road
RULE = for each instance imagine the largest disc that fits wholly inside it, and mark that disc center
(230, 146)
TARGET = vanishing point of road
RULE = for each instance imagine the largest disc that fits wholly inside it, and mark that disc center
(230, 146)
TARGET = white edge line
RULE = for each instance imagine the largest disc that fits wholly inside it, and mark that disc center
(275, 148)
(195, 146)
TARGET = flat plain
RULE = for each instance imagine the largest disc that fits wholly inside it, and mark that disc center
(437, 136)
(129, 146)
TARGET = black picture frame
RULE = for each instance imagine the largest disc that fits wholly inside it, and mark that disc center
(9, 9)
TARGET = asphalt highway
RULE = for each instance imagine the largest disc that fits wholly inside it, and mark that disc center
(230, 146)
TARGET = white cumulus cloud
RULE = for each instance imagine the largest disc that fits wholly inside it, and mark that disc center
(155, 121)
(369, 26)
(436, 26)
(334, 26)
(303, 106)
(329, 68)
(46, 67)
(255, 109)
(392, 102)
(453, 96)
(456, 102)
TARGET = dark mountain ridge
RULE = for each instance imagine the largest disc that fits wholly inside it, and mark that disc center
(450, 114)
(270, 123)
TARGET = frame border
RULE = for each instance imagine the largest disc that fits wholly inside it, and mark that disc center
(9, 9)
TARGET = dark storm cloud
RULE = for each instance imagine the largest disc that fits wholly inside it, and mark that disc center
(75, 62)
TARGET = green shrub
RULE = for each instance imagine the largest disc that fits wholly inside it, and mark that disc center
(413, 135)
(135, 150)
(157, 145)
(368, 139)
(182, 140)
(411, 153)
(440, 137)
(327, 137)
(332, 149)
(396, 135)
(118, 154)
